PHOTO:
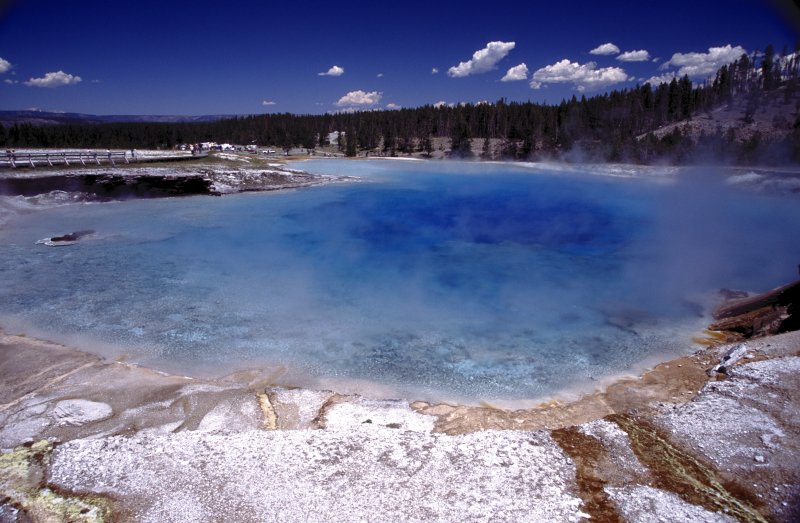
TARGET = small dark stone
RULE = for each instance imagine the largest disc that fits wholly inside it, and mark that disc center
(367, 421)
(72, 237)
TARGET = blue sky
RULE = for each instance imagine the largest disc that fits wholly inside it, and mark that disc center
(237, 57)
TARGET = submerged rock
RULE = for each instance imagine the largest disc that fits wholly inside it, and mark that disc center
(80, 412)
(72, 237)
(66, 239)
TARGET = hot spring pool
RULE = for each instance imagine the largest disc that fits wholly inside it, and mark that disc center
(440, 281)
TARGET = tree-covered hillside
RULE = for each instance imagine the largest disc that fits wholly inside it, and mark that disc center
(642, 124)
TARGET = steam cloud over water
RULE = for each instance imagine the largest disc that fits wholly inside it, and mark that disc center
(440, 281)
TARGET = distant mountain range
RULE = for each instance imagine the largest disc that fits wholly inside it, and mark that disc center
(8, 118)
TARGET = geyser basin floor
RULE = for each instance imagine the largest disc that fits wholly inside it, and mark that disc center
(436, 281)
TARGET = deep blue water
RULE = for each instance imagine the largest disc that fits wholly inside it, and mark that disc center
(439, 280)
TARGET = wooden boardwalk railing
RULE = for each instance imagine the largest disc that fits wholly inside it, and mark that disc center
(26, 159)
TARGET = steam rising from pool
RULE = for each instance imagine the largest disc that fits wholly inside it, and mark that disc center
(439, 281)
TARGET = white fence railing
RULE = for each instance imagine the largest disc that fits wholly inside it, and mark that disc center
(23, 159)
(40, 159)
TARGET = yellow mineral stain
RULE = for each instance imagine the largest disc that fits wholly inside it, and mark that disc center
(683, 474)
(711, 338)
(270, 418)
(23, 485)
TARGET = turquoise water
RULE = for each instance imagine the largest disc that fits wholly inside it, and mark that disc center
(432, 280)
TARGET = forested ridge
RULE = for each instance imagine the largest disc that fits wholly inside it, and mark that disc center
(622, 125)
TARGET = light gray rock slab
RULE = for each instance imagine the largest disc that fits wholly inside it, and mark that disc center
(721, 428)
(76, 412)
(357, 413)
(298, 408)
(747, 427)
(617, 443)
(238, 413)
(643, 504)
(329, 476)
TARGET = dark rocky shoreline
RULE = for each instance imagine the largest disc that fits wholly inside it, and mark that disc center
(205, 175)
(109, 186)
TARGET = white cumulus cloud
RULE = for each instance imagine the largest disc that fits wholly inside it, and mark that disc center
(605, 49)
(704, 64)
(518, 72)
(9, 81)
(268, 102)
(634, 56)
(483, 60)
(379, 75)
(435, 71)
(359, 98)
(56, 79)
(660, 79)
(5, 65)
(393, 106)
(442, 103)
(582, 76)
(333, 71)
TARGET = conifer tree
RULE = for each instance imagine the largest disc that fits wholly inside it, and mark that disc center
(351, 149)
(767, 68)
(687, 105)
(427, 145)
(460, 139)
(674, 100)
(486, 150)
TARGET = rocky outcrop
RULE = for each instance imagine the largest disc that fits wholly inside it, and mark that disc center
(249, 180)
(108, 186)
(135, 182)
(769, 313)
